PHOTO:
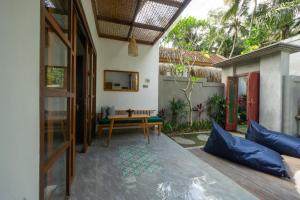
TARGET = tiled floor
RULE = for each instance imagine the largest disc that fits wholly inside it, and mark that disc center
(131, 169)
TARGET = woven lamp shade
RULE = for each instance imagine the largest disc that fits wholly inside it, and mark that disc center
(133, 48)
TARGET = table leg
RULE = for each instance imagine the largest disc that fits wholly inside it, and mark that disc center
(110, 131)
(159, 129)
(146, 129)
(100, 131)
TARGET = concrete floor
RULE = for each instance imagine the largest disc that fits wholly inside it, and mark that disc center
(131, 169)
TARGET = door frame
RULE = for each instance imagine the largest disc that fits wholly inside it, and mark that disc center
(247, 74)
(75, 8)
(250, 103)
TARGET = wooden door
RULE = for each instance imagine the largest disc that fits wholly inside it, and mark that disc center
(72, 151)
(89, 95)
(58, 95)
(93, 93)
(253, 97)
(231, 103)
(85, 98)
(87, 82)
(57, 102)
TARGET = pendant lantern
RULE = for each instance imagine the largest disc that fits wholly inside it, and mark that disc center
(133, 48)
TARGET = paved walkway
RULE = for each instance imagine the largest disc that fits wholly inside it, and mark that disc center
(131, 169)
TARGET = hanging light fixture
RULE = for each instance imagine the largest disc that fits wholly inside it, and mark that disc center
(133, 48)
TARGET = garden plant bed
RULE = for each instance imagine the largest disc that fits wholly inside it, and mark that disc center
(194, 139)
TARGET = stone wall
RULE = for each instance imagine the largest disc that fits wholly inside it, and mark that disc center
(168, 88)
(291, 104)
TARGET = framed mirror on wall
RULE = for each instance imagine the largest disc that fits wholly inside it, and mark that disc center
(122, 81)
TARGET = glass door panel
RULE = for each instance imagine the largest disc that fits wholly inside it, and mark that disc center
(56, 60)
(59, 95)
(55, 180)
(56, 124)
(60, 10)
(56, 101)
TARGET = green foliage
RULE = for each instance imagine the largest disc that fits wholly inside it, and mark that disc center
(180, 69)
(178, 108)
(167, 128)
(194, 78)
(185, 34)
(201, 125)
(245, 26)
(55, 76)
(174, 128)
(216, 106)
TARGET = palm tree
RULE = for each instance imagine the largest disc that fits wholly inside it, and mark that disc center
(233, 18)
(252, 17)
(281, 17)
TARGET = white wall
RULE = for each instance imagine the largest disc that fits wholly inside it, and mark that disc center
(247, 67)
(272, 69)
(295, 57)
(295, 64)
(19, 102)
(239, 69)
(113, 55)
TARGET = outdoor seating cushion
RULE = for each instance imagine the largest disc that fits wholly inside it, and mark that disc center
(155, 119)
(151, 119)
(280, 142)
(245, 152)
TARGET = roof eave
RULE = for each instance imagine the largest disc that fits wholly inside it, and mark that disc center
(277, 47)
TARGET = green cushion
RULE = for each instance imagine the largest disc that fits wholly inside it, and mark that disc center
(155, 119)
(104, 121)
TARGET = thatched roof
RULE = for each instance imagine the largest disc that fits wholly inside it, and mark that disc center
(171, 55)
(146, 20)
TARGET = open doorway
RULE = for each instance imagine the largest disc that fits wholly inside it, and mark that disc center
(242, 101)
(85, 89)
(80, 58)
(242, 122)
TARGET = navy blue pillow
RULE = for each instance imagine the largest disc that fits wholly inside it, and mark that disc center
(245, 152)
(280, 142)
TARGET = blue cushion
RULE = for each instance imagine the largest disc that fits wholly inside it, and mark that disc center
(104, 112)
(280, 142)
(245, 152)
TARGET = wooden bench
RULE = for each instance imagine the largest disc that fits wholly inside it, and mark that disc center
(153, 121)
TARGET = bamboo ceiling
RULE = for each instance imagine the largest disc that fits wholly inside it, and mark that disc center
(145, 20)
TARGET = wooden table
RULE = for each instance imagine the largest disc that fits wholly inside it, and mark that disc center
(143, 123)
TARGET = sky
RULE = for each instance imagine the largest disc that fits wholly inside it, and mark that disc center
(200, 8)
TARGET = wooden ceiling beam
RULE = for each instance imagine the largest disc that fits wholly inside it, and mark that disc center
(114, 20)
(137, 8)
(129, 23)
(123, 39)
(176, 4)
